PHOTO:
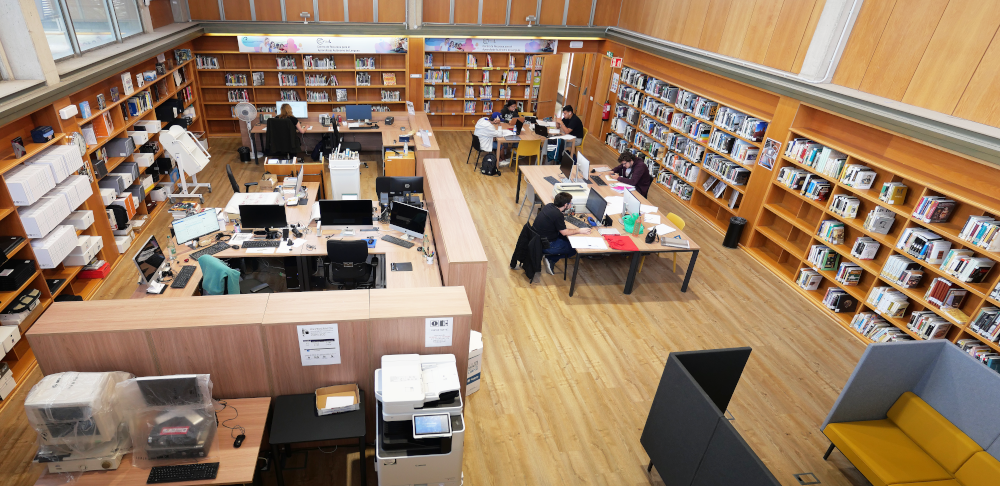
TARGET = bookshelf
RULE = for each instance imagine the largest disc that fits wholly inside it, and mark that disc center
(698, 150)
(21, 359)
(296, 78)
(790, 223)
(474, 81)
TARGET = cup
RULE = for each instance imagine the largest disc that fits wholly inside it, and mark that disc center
(429, 259)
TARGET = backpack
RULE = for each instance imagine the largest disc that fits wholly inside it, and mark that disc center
(325, 146)
(489, 165)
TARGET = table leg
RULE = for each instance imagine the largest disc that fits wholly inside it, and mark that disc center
(690, 270)
(517, 192)
(649, 469)
(258, 148)
(276, 452)
(576, 267)
(364, 464)
(300, 262)
(633, 269)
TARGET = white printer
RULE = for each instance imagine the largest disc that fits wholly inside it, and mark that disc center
(578, 190)
(420, 429)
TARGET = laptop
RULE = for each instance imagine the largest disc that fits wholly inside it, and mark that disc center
(541, 131)
(512, 138)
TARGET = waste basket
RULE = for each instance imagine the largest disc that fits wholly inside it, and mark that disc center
(244, 154)
(736, 225)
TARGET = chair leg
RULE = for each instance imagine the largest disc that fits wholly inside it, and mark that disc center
(829, 451)
(470, 155)
(675, 263)
(565, 266)
(641, 263)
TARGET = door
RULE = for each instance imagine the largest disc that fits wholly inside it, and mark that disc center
(574, 81)
(601, 84)
(549, 86)
(584, 102)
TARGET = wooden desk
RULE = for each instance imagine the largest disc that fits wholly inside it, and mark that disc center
(535, 176)
(526, 135)
(236, 466)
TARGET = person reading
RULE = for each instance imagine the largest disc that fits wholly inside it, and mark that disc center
(488, 129)
(633, 172)
(570, 124)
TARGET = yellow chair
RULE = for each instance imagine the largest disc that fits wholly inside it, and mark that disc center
(584, 139)
(526, 148)
(679, 223)
(527, 114)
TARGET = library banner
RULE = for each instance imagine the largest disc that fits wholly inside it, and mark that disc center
(527, 46)
(323, 45)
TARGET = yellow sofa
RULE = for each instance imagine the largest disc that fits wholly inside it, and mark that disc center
(914, 446)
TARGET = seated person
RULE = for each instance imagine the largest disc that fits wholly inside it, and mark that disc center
(488, 129)
(570, 124)
(511, 116)
(286, 112)
(549, 224)
(633, 172)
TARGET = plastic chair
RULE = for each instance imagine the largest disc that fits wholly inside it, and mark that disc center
(584, 139)
(236, 185)
(479, 151)
(526, 148)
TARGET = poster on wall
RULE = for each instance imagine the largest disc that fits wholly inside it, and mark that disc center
(323, 45)
(463, 44)
(614, 82)
(319, 344)
(770, 154)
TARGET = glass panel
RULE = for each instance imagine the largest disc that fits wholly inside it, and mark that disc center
(91, 22)
(54, 28)
(127, 14)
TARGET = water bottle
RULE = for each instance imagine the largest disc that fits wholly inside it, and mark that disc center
(173, 250)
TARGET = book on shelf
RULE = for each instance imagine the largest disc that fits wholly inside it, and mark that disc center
(942, 293)
(364, 63)
(389, 79)
(744, 153)
(816, 188)
(831, 231)
(845, 205)
(720, 189)
(838, 300)
(858, 176)
(791, 177)
(982, 231)
(981, 352)
(127, 84)
(902, 271)
(995, 293)
(865, 248)
(928, 325)
(923, 245)
(965, 266)
(987, 323)
(734, 200)
(934, 209)
(258, 78)
(893, 193)
(341, 94)
(880, 220)
(206, 62)
(888, 302)
(823, 258)
(874, 327)
(849, 274)
(808, 279)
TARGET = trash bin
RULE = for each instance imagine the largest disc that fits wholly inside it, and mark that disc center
(736, 225)
(244, 154)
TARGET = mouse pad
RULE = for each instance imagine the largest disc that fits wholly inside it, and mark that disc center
(402, 267)
(371, 242)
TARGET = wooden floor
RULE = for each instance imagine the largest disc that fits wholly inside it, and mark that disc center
(568, 382)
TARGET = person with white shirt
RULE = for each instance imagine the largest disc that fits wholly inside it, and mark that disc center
(488, 129)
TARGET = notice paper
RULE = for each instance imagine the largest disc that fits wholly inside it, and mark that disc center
(616, 204)
(319, 344)
(239, 238)
(650, 218)
(438, 331)
(662, 229)
(647, 209)
(608, 231)
(566, 137)
(587, 243)
(337, 402)
(285, 248)
(507, 133)
(267, 251)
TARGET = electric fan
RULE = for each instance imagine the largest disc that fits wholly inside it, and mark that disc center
(248, 113)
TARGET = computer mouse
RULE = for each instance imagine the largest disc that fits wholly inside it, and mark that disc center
(187, 260)
(239, 441)
(288, 242)
(370, 240)
(593, 171)
(235, 247)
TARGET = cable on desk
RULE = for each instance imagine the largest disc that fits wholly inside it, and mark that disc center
(236, 427)
(331, 452)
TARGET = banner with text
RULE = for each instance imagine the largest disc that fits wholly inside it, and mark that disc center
(528, 46)
(323, 45)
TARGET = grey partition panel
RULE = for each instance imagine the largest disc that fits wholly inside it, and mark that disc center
(730, 460)
(966, 393)
(717, 371)
(885, 372)
(680, 425)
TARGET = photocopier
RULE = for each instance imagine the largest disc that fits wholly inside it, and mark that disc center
(420, 429)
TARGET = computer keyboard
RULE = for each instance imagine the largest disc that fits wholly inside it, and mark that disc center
(260, 244)
(576, 222)
(397, 241)
(216, 248)
(599, 181)
(183, 472)
(552, 180)
(183, 277)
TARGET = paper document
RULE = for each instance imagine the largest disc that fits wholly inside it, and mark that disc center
(616, 204)
(337, 402)
(507, 133)
(262, 250)
(566, 137)
(608, 231)
(650, 218)
(547, 124)
(662, 229)
(588, 243)
(602, 169)
(285, 248)
(239, 238)
(647, 209)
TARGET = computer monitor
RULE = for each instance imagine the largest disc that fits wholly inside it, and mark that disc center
(194, 227)
(262, 216)
(567, 165)
(398, 187)
(596, 204)
(300, 109)
(346, 215)
(582, 166)
(407, 219)
(358, 112)
(632, 203)
(149, 260)
(167, 391)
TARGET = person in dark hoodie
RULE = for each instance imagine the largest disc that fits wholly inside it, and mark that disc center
(633, 172)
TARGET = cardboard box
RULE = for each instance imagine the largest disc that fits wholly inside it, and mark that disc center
(337, 391)
(474, 378)
(267, 183)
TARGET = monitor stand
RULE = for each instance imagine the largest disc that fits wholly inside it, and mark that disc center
(347, 232)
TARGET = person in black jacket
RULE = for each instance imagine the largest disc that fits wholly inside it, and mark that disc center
(633, 172)
(550, 225)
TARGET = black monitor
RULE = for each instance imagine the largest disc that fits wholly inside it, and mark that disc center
(566, 165)
(174, 390)
(596, 205)
(407, 219)
(149, 260)
(262, 216)
(358, 112)
(347, 215)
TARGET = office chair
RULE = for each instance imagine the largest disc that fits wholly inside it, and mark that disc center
(527, 148)
(355, 146)
(282, 138)
(348, 264)
(236, 185)
(212, 267)
(529, 193)
(479, 151)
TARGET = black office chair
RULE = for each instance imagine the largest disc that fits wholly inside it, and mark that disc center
(348, 264)
(479, 151)
(236, 185)
(282, 138)
(355, 146)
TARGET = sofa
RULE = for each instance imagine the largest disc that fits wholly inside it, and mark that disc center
(919, 414)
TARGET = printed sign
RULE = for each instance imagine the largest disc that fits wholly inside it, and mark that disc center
(323, 45)
(529, 46)
(319, 344)
(616, 62)
(438, 332)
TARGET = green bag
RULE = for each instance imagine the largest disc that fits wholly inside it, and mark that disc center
(629, 223)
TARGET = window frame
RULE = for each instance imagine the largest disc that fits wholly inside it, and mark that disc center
(109, 10)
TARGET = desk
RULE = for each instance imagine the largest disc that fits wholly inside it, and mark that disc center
(535, 176)
(295, 421)
(236, 466)
(524, 135)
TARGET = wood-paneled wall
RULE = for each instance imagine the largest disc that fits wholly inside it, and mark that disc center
(160, 13)
(495, 12)
(936, 54)
(329, 10)
(775, 33)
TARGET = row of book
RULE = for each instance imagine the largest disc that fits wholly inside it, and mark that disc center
(656, 109)
(388, 95)
(238, 95)
(748, 127)
(880, 220)
(651, 146)
(233, 79)
(982, 231)
(206, 62)
(321, 80)
(888, 302)
(902, 271)
(686, 170)
(728, 171)
(923, 244)
(311, 62)
(928, 325)
(823, 159)
(364, 63)
(838, 300)
(437, 76)
(874, 327)
(981, 352)
(317, 96)
(286, 62)
(849, 274)
(831, 231)
(363, 79)
(934, 209)
(615, 141)
(287, 79)
(823, 258)
(987, 323)
(289, 95)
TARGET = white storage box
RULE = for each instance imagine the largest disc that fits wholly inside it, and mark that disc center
(40, 218)
(6, 385)
(54, 248)
(9, 336)
(80, 220)
(144, 159)
(160, 193)
(28, 183)
(123, 242)
(139, 137)
(475, 376)
(146, 181)
(85, 251)
(151, 126)
(108, 196)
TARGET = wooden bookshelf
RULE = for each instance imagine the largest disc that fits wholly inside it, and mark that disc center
(649, 124)
(788, 222)
(460, 111)
(219, 106)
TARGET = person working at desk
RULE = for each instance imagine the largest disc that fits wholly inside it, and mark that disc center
(633, 172)
(487, 129)
(510, 114)
(570, 124)
(286, 112)
(550, 225)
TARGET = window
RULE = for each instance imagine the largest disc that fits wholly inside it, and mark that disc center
(76, 26)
